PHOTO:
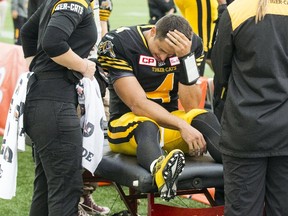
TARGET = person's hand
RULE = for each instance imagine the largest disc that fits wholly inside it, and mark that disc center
(90, 68)
(194, 140)
(179, 42)
(14, 14)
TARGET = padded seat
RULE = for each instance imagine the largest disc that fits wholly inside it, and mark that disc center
(198, 173)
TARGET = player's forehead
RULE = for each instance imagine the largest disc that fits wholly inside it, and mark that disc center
(164, 46)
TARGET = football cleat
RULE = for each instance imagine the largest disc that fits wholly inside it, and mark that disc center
(166, 172)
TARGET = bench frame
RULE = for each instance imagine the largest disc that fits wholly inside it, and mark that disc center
(154, 209)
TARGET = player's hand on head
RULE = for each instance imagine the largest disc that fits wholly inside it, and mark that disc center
(180, 43)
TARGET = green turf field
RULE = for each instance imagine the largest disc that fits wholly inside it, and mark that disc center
(125, 13)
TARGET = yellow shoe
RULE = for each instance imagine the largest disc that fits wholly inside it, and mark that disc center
(166, 172)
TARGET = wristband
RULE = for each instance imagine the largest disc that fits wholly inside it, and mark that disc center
(189, 74)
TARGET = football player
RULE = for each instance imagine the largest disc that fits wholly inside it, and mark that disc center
(149, 68)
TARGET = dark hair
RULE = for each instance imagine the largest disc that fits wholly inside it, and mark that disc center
(170, 23)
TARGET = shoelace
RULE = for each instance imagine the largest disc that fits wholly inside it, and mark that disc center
(158, 163)
(156, 167)
(82, 211)
(91, 205)
(88, 207)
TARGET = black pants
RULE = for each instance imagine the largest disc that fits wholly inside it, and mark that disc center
(256, 185)
(55, 131)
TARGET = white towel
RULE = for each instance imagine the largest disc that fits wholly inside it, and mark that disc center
(13, 139)
(92, 123)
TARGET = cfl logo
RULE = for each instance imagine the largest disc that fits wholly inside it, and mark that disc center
(147, 60)
(2, 76)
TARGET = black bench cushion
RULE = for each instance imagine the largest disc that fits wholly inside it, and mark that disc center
(199, 172)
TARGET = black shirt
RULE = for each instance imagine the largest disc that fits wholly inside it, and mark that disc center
(253, 60)
(72, 24)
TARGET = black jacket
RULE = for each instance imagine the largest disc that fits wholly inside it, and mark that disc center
(252, 59)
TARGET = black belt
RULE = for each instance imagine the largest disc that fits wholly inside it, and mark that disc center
(71, 76)
(43, 76)
(50, 75)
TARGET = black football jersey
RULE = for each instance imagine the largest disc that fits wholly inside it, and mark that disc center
(124, 52)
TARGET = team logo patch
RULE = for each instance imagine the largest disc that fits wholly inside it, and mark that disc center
(7, 153)
(88, 129)
(70, 6)
(147, 60)
(174, 61)
(106, 47)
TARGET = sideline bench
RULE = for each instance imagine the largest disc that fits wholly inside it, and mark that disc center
(198, 175)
